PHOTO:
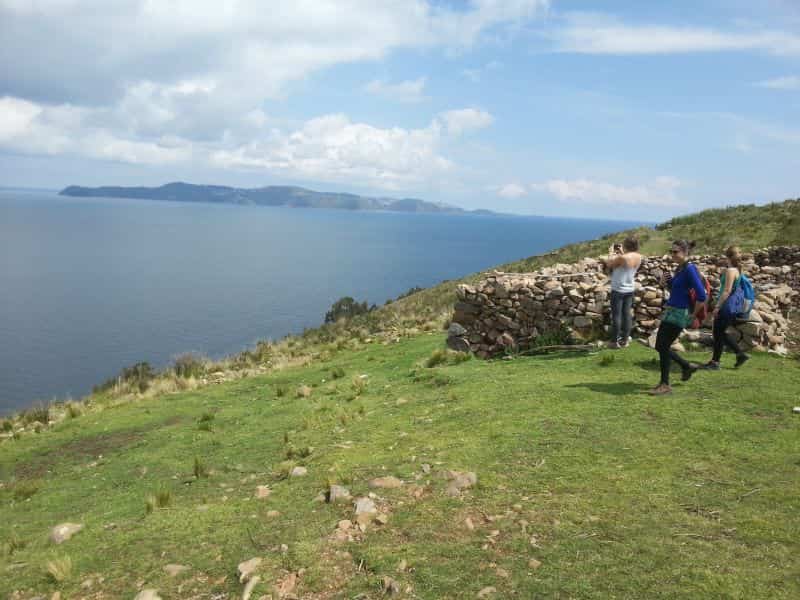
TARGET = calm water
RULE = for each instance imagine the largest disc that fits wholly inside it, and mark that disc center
(88, 286)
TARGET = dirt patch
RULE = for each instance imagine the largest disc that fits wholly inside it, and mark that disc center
(81, 448)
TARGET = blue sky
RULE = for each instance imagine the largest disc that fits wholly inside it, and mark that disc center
(613, 109)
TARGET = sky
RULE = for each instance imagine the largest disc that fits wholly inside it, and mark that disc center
(614, 109)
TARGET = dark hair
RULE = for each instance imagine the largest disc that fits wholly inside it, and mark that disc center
(734, 255)
(685, 246)
(631, 244)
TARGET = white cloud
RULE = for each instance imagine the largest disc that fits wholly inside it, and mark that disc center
(465, 120)
(476, 74)
(403, 91)
(790, 82)
(150, 81)
(512, 190)
(660, 193)
(599, 34)
(327, 148)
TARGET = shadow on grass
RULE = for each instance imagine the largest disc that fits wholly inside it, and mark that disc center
(624, 388)
(648, 365)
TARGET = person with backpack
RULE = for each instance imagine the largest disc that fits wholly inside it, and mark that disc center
(733, 302)
(678, 314)
(623, 261)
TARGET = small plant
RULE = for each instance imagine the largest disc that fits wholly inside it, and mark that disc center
(280, 391)
(161, 499)
(204, 426)
(606, 360)
(24, 490)
(59, 569)
(438, 357)
(73, 410)
(443, 356)
(206, 417)
(13, 544)
(359, 385)
(6, 425)
(39, 413)
(189, 365)
(337, 373)
(136, 378)
(200, 470)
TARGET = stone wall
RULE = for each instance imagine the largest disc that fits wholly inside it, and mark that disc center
(510, 311)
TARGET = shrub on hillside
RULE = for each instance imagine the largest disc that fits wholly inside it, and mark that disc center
(189, 365)
(136, 378)
(347, 308)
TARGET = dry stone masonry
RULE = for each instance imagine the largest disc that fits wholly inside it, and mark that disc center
(515, 311)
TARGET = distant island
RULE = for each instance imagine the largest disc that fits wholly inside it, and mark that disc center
(273, 195)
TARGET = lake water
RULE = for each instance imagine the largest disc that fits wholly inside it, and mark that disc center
(88, 286)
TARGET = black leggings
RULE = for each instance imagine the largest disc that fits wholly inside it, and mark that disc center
(722, 337)
(667, 334)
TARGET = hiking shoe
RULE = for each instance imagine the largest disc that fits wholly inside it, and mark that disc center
(613, 346)
(625, 343)
(740, 360)
(711, 366)
(687, 373)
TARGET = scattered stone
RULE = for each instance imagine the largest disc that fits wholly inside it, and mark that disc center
(338, 493)
(287, 585)
(345, 524)
(248, 588)
(401, 401)
(304, 391)
(502, 573)
(148, 594)
(262, 491)
(389, 482)
(390, 586)
(365, 506)
(299, 472)
(459, 480)
(175, 570)
(796, 410)
(247, 568)
(61, 533)
(402, 566)
(382, 518)
(470, 525)
(273, 513)
(534, 564)
(487, 591)
(426, 468)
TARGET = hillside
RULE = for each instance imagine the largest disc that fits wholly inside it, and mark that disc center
(294, 197)
(586, 486)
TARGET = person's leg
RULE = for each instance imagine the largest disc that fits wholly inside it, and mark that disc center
(616, 316)
(667, 334)
(720, 324)
(627, 316)
(726, 321)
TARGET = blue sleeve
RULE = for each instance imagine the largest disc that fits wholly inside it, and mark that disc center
(697, 283)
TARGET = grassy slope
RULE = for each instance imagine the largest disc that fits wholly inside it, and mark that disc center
(626, 496)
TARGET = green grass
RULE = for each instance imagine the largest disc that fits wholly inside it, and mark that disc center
(616, 493)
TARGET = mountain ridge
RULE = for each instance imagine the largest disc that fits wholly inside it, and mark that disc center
(273, 195)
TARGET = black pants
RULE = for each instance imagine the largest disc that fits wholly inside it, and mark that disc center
(667, 334)
(621, 316)
(721, 337)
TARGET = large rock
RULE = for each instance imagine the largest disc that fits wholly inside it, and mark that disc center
(389, 482)
(61, 533)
